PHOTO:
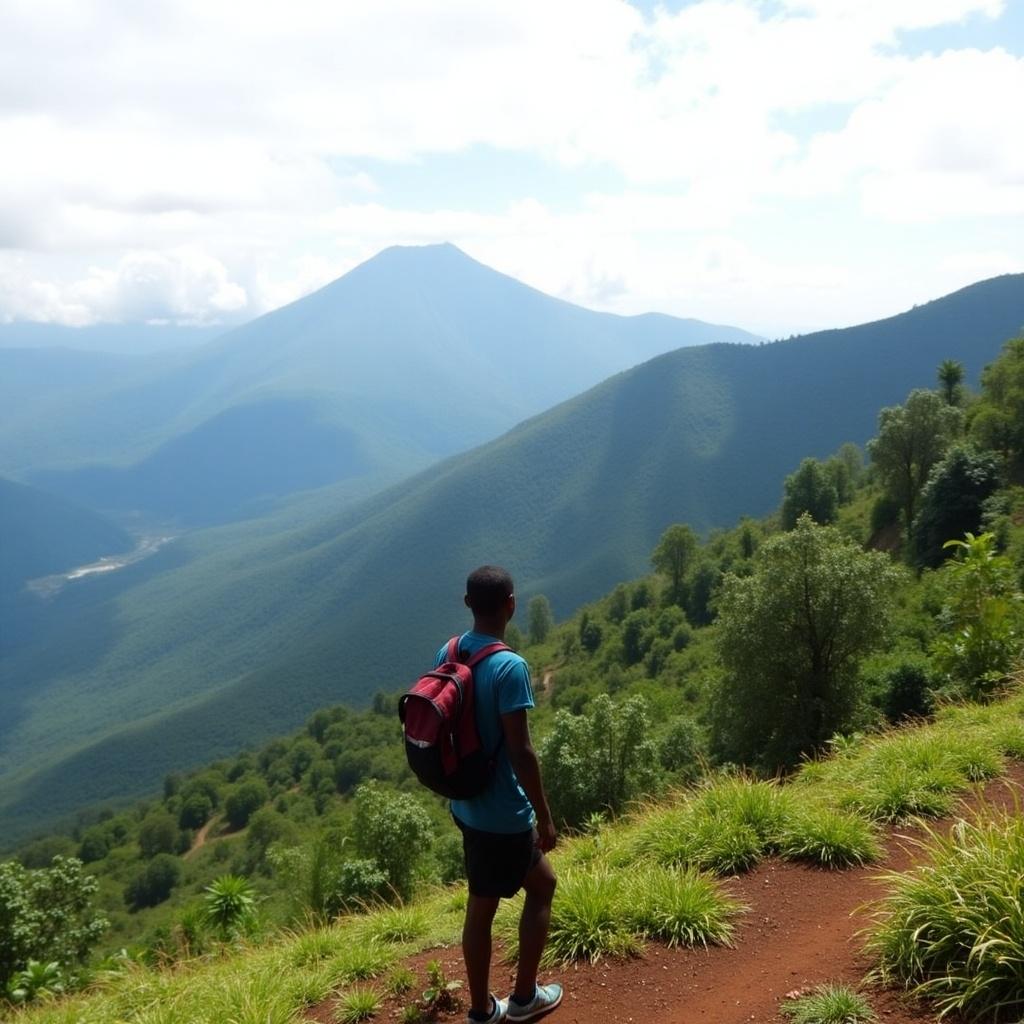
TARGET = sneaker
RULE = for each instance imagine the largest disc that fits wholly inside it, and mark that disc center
(546, 998)
(497, 1014)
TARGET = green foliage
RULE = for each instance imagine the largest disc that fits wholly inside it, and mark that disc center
(36, 981)
(681, 748)
(911, 439)
(673, 556)
(598, 760)
(394, 830)
(997, 421)
(540, 619)
(790, 637)
(396, 925)
(441, 994)
(158, 833)
(230, 905)
(829, 1004)
(952, 929)
(244, 800)
(952, 501)
(154, 883)
(811, 490)
(900, 684)
(46, 914)
(982, 621)
(951, 377)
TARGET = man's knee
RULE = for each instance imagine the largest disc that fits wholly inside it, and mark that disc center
(541, 881)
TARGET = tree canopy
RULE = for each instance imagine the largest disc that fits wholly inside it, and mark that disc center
(790, 637)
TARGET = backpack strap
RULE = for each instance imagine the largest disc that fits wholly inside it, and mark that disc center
(452, 654)
(486, 652)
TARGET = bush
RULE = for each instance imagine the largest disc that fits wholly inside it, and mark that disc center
(900, 685)
(394, 830)
(46, 914)
(598, 761)
(953, 929)
(829, 1004)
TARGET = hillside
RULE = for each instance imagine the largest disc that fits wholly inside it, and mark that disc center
(413, 355)
(230, 636)
(44, 534)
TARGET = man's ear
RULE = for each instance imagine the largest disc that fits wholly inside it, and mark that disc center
(511, 606)
(465, 601)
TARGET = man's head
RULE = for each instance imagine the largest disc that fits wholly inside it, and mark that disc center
(490, 593)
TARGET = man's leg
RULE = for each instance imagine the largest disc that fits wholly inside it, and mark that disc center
(476, 949)
(539, 885)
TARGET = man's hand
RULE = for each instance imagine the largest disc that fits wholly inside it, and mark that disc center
(547, 836)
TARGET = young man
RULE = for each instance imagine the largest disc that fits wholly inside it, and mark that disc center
(507, 829)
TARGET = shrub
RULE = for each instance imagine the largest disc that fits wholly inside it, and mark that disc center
(952, 929)
(246, 798)
(46, 914)
(394, 830)
(230, 905)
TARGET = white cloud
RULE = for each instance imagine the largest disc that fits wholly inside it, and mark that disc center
(150, 138)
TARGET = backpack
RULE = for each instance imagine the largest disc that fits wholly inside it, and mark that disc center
(438, 716)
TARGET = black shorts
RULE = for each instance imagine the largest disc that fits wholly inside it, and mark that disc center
(497, 863)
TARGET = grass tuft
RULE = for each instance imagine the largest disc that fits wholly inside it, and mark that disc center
(831, 839)
(680, 907)
(829, 1004)
(357, 1004)
(952, 929)
(395, 925)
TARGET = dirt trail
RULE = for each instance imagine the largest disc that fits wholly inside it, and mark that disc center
(800, 930)
(200, 839)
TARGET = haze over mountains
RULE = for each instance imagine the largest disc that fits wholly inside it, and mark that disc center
(236, 633)
(414, 355)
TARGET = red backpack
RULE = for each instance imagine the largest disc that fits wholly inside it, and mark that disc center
(438, 715)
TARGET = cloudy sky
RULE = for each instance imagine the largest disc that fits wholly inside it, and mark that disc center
(779, 165)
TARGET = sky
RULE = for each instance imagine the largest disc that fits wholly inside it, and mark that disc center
(777, 165)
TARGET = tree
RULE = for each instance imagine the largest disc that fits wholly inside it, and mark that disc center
(911, 438)
(952, 501)
(982, 619)
(540, 619)
(158, 833)
(154, 883)
(951, 378)
(997, 421)
(47, 915)
(600, 760)
(790, 637)
(246, 798)
(809, 491)
(673, 555)
(392, 829)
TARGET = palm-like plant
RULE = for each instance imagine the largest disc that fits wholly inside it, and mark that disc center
(36, 981)
(230, 905)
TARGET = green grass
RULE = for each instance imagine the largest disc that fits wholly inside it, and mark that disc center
(396, 925)
(952, 929)
(679, 907)
(830, 838)
(829, 1004)
(357, 1004)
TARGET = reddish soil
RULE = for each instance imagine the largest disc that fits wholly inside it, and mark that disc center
(801, 929)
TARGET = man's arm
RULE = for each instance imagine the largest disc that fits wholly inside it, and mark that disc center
(527, 768)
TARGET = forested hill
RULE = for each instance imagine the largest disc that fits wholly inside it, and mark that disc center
(238, 643)
(417, 353)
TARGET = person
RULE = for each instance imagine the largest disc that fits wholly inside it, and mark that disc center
(508, 828)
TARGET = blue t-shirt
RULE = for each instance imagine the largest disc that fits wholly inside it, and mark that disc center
(501, 684)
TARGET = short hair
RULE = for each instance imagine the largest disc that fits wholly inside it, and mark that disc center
(487, 589)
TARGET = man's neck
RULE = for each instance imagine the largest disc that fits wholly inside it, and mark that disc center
(490, 627)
